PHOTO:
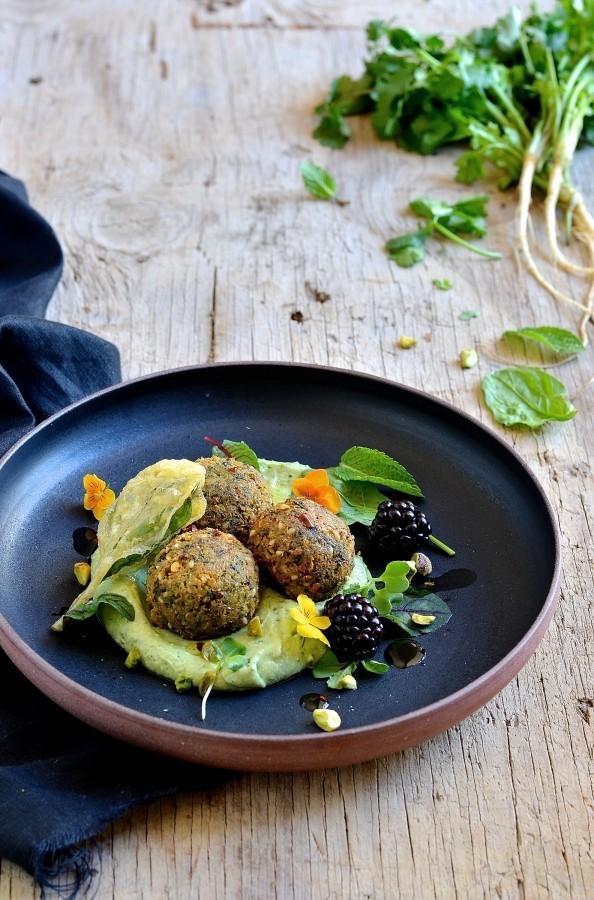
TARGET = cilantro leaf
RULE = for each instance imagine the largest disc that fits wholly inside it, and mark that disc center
(408, 249)
(526, 396)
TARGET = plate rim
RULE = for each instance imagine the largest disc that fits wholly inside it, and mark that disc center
(299, 752)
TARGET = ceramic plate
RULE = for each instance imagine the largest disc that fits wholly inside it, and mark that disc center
(502, 585)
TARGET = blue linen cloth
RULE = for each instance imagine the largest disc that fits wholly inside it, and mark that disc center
(61, 782)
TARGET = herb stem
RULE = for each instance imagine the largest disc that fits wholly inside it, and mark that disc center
(441, 545)
(445, 232)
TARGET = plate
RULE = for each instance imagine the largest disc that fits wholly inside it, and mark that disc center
(481, 498)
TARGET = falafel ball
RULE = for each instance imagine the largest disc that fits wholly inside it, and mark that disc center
(202, 584)
(304, 547)
(235, 494)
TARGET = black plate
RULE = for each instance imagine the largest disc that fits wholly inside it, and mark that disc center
(479, 496)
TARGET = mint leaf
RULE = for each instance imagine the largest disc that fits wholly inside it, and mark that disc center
(526, 396)
(561, 341)
(359, 499)
(318, 181)
(375, 667)
(89, 608)
(366, 464)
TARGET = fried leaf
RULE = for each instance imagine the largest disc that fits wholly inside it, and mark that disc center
(366, 464)
(526, 396)
(561, 341)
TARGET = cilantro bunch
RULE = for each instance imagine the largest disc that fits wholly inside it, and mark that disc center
(520, 94)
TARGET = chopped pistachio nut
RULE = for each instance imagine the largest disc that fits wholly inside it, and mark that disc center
(406, 341)
(206, 682)
(348, 683)
(210, 651)
(419, 619)
(468, 358)
(422, 564)
(133, 658)
(183, 683)
(326, 719)
(255, 627)
(82, 573)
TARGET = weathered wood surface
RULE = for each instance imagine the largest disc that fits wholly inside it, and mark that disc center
(163, 142)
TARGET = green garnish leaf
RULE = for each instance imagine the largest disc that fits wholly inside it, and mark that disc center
(335, 679)
(389, 587)
(375, 667)
(238, 450)
(318, 181)
(88, 609)
(327, 665)
(442, 284)
(526, 396)
(423, 603)
(408, 249)
(359, 499)
(232, 653)
(468, 314)
(366, 464)
(561, 341)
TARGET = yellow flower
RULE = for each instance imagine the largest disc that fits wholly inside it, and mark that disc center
(316, 486)
(309, 623)
(98, 495)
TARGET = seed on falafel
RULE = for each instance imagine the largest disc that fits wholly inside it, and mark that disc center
(304, 547)
(202, 584)
(235, 494)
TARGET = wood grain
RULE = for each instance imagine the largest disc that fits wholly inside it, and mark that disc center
(164, 145)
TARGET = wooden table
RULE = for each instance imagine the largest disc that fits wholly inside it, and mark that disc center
(163, 142)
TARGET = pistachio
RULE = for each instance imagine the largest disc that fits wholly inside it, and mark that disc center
(422, 564)
(418, 619)
(183, 683)
(468, 358)
(326, 719)
(347, 683)
(82, 572)
(255, 627)
(133, 658)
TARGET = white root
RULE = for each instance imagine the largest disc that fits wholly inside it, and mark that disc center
(555, 184)
(523, 215)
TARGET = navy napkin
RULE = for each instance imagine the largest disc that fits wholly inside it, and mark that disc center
(61, 782)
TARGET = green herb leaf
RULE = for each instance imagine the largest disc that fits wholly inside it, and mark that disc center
(332, 130)
(335, 679)
(526, 396)
(562, 342)
(442, 284)
(375, 667)
(389, 587)
(232, 653)
(318, 181)
(327, 665)
(88, 609)
(239, 450)
(468, 314)
(359, 499)
(366, 464)
(408, 249)
(424, 603)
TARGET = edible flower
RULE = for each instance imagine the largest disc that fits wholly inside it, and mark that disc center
(98, 495)
(316, 486)
(309, 623)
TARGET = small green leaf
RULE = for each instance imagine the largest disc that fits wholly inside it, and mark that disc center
(239, 450)
(425, 603)
(335, 679)
(332, 130)
(359, 499)
(366, 464)
(526, 396)
(375, 667)
(119, 603)
(442, 284)
(388, 588)
(561, 341)
(327, 665)
(318, 181)
(407, 250)
(468, 314)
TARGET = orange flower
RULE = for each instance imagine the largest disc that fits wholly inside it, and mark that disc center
(316, 486)
(98, 495)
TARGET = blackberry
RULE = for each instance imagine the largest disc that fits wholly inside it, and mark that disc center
(399, 529)
(355, 629)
